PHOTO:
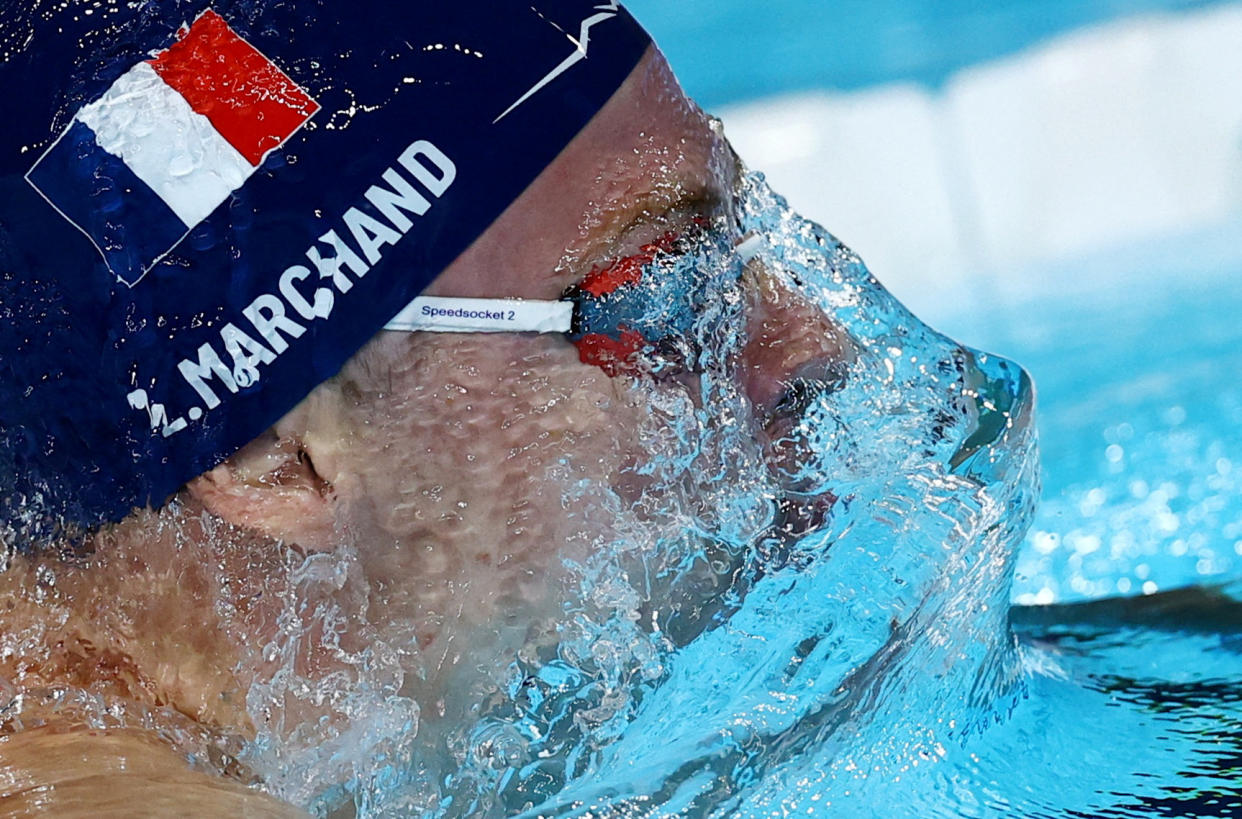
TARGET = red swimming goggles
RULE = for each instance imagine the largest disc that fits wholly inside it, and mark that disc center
(632, 316)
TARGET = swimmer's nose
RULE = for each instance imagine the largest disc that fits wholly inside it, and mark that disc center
(793, 354)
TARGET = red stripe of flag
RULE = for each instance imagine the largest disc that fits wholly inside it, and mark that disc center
(252, 103)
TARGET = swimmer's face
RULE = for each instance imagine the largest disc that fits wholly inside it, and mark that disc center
(448, 458)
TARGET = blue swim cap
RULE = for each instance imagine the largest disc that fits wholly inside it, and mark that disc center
(207, 207)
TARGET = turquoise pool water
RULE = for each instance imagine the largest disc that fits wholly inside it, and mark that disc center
(1141, 432)
(729, 51)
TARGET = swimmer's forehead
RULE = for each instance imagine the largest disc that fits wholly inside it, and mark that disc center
(650, 161)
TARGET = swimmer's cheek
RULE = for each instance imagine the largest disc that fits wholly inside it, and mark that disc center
(44, 772)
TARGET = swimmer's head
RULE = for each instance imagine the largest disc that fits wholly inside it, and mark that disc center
(207, 215)
(344, 484)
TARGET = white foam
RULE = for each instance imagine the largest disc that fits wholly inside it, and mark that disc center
(868, 167)
(1098, 139)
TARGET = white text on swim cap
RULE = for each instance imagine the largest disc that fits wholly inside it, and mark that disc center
(281, 317)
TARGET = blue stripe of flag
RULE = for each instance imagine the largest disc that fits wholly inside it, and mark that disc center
(129, 223)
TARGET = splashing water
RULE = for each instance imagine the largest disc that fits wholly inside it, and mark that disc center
(721, 641)
(807, 617)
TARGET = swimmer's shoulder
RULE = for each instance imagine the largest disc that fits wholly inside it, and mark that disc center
(127, 639)
(49, 771)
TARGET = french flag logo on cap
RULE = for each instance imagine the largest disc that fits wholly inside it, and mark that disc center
(168, 143)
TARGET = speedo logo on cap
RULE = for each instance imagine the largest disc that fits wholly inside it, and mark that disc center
(168, 143)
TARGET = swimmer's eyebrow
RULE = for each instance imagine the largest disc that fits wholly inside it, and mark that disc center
(621, 228)
(694, 202)
(655, 208)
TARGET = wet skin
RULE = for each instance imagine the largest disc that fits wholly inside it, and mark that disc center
(442, 459)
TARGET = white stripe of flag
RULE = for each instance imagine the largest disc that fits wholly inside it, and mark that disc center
(174, 150)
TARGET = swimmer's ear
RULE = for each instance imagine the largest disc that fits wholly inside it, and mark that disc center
(271, 486)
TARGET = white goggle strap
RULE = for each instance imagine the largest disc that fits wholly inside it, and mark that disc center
(458, 315)
(450, 315)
